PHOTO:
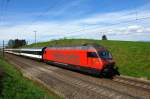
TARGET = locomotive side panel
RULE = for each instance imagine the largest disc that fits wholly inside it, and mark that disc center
(74, 57)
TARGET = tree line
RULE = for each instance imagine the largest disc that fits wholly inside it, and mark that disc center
(16, 43)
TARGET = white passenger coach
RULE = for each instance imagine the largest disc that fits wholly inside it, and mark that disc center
(28, 52)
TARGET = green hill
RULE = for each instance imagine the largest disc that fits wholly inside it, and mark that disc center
(132, 58)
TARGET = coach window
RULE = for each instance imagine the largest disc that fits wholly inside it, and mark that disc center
(92, 54)
(39, 52)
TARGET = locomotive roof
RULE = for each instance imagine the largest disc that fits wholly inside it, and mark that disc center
(86, 47)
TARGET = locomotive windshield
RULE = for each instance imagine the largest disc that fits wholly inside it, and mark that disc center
(104, 54)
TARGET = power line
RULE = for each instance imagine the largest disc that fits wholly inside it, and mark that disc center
(4, 6)
(91, 28)
(143, 18)
(46, 11)
(136, 18)
(109, 27)
(42, 14)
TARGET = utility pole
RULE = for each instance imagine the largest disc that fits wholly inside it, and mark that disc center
(35, 37)
(3, 49)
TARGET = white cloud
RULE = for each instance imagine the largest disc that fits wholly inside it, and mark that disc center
(90, 27)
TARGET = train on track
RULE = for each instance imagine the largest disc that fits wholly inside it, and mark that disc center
(89, 58)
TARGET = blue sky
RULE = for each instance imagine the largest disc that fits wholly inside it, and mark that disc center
(54, 19)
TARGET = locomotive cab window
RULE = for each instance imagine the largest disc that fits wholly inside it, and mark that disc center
(92, 54)
(105, 54)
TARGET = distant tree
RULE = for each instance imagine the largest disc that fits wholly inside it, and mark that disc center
(11, 43)
(104, 37)
(65, 38)
(16, 43)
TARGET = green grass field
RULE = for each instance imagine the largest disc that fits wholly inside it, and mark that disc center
(15, 86)
(132, 58)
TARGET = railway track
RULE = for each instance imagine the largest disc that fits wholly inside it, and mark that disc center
(120, 87)
(79, 85)
(134, 82)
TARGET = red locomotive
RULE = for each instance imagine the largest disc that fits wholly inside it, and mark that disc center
(93, 59)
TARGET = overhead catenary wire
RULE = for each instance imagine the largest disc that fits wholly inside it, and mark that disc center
(143, 18)
(43, 13)
(89, 28)
(109, 26)
(1, 10)
(40, 15)
(4, 8)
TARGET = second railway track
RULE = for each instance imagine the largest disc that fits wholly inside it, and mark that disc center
(133, 82)
(81, 86)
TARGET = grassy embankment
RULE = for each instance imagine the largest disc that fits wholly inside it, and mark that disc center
(132, 58)
(15, 86)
